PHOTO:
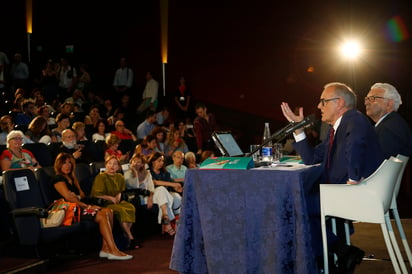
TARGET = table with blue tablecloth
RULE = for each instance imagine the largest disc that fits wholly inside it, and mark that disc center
(245, 221)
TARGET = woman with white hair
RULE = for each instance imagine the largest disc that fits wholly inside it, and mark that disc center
(15, 156)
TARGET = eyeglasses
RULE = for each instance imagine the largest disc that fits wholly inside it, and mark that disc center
(324, 101)
(373, 97)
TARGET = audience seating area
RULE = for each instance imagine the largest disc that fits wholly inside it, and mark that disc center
(20, 210)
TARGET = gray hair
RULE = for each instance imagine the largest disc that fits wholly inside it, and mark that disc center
(390, 93)
(344, 91)
(13, 134)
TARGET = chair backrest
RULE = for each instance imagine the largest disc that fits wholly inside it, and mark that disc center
(42, 153)
(97, 149)
(382, 181)
(404, 160)
(44, 176)
(84, 176)
(95, 168)
(22, 189)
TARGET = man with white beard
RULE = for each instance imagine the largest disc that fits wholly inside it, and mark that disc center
(70, 145)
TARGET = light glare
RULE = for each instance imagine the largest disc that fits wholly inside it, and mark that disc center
(351, 50)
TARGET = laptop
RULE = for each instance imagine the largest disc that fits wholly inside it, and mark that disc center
(226, 144)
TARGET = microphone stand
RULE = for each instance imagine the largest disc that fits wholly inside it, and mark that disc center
(277, 136)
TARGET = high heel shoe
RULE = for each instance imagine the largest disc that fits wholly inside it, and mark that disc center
(166, 226)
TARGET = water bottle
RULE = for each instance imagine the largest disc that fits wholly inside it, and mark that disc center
(267, 154)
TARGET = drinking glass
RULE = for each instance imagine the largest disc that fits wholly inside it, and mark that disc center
(256, 155)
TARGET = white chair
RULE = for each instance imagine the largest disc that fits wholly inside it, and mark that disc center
(394, 210)
(364, 202)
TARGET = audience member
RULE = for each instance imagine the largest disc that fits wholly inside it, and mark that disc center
(138, 177)
(44, 111)
(93, 117)
(146, 127)
(394, 133)
(85, 80)
(206, 154)
(4, 87)
(67, 76)
(19, 73)
(38, 131)
(150, 94)
(28, 114)
(101, 133)
(112, 144)
(79, 129)
(177, 170)
(63, 122)
(7, 125)
(182, 99)
(49, 81)
(15, 156)
(118, 114)
(204, 125)
(122, 132)
(79, 152)
(108, 185)
(160, 134)
(169, 199)
(147, 147)
(175, 142)
(163, 116)
(123, 78)
(190, 160)
(77, 100)
(353, 154)
(108, 108)
(67, 186)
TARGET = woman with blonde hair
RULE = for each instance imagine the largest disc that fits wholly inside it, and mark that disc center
(175, 142)
(112, 143)
(108, 185)
(67, 186)
(80, 129)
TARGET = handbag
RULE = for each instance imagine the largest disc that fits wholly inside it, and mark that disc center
(71, 213)
(54, 218)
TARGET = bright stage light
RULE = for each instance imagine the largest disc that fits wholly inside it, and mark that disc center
(351, 50)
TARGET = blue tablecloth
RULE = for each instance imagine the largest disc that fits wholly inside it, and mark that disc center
(244, 221)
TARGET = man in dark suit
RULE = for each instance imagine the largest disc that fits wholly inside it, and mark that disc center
(394, 133)
(347, 156)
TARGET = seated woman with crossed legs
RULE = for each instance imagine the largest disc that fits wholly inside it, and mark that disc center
(166, 193)
(67, 186)
(108, 185)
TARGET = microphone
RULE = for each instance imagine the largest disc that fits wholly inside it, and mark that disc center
(285, 131)
(307, 121)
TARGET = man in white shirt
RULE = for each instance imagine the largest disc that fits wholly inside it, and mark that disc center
(150, 94)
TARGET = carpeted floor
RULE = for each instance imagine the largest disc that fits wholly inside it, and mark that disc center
(154, 257)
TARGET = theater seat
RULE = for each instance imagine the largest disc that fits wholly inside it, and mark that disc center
(42, 153)
(24, 197)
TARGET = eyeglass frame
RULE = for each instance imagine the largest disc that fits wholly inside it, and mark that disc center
(323, 101)
(368, 98)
